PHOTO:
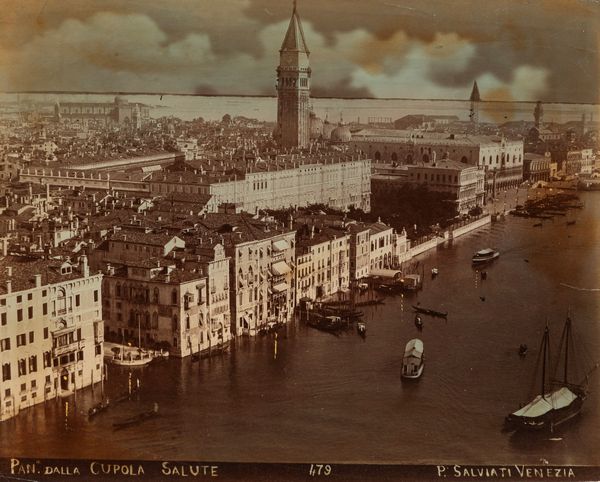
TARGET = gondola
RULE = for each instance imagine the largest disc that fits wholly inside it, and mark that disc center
(427, 311)
(137, 419)
(96, 409)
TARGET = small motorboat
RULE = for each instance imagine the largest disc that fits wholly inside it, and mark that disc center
(522, 349)
(363, 286)
(418, 322)
(485, 256)
(361, 328)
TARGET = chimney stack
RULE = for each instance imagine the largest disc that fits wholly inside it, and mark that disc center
(85, 269)
(38, 280)
(8, 286)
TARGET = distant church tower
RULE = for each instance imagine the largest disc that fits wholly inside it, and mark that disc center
(293, 88)
(538, 115)
(475, 99)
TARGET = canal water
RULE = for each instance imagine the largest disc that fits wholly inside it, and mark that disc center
(341, 399)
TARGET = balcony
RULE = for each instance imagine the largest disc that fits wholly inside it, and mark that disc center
(69, 348)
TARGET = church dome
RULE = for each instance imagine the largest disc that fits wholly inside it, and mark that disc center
(341, 134)
(120, 100)
(316, 126)
(327, 130)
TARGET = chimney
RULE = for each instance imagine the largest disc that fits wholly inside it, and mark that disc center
(38, 280)
(8, 286)
(9, 271)
(85, 269)
(4, 247)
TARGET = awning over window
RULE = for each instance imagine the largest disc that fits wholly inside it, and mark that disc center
(278, 288)
(281, 245)
(280, 268)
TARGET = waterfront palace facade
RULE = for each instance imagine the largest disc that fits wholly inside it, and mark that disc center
(500, 158)
(51, 330)
(338, 180)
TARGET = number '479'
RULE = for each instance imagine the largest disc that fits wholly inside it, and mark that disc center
(317, 470)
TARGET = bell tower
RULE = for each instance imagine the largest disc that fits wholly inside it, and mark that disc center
(293, 88)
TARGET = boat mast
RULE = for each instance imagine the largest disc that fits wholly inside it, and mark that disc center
(567, 338)
(545, 351)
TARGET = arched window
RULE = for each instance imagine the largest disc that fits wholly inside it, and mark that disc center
(187, 321)
(378, 156)
(174, 323)
(174, 297)
(464, 159)
(147, 324)
(425, 157)
(61, 301)
(394, 156)
(409, 158)
(156, 298)
(155, 320)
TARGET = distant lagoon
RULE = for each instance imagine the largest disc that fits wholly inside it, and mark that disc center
(188, 107)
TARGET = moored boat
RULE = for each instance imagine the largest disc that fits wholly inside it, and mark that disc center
(326, 323)
(485, 255)
(132, 358)
(556, 403)
(412, 362)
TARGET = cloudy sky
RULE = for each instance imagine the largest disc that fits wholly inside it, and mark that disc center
(515, 49)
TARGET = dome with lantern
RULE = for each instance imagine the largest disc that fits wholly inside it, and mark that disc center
(341, 134)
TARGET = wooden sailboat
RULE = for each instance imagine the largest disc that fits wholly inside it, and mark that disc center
(555, 404)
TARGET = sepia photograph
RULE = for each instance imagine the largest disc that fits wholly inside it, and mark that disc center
(287, 240)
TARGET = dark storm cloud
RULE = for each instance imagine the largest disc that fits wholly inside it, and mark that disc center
(497, 39)
(341, 90)
(558, 35)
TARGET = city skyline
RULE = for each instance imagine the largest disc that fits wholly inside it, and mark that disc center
(424, 50)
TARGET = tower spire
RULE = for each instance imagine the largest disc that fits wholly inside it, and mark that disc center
(474, 111)
(294, 37)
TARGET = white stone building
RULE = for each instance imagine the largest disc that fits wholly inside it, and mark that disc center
(51, 330)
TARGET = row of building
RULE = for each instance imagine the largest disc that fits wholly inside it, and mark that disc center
(340, 180)
(76, 273)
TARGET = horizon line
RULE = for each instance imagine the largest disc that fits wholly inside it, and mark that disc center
(70, 92)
